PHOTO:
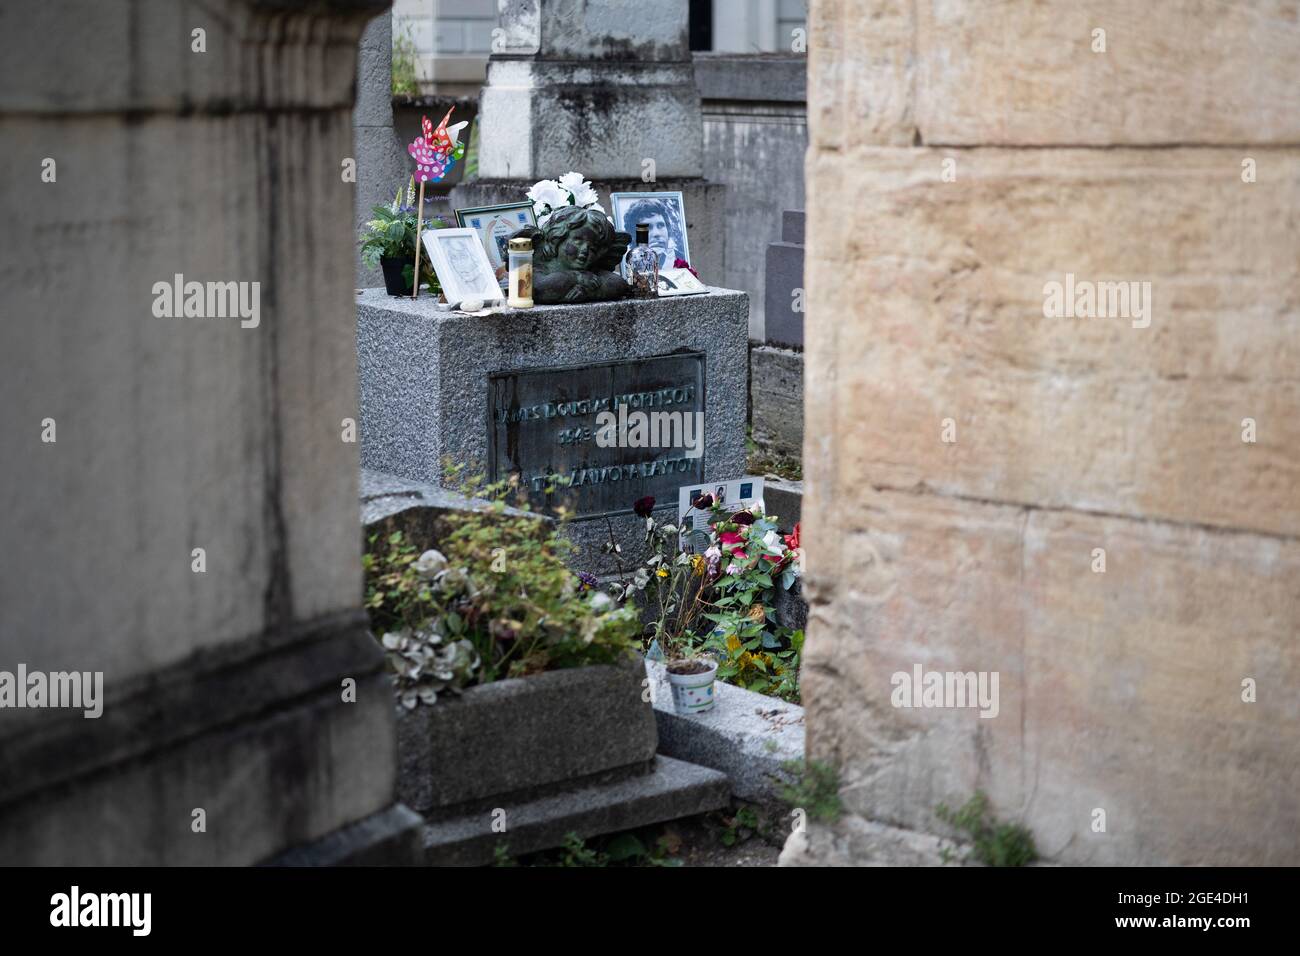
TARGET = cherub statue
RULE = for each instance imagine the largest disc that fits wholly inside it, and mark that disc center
(575, 254)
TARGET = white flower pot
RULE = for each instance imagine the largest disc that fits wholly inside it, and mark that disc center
(693, 693)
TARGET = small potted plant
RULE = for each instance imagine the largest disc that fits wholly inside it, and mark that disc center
(388, 241)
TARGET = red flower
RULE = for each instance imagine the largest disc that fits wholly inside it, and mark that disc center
(792, 540)
(733, 541)
(643, 506)
(742, 517)
(702, 502)
(683, 264)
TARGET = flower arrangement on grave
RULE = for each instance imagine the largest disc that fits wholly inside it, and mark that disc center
(571, 189)
(720, 604)
(496, 601)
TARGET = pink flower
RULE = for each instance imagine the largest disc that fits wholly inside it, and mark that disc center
(733, 541)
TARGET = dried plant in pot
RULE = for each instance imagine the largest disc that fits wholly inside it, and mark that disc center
(673, 585)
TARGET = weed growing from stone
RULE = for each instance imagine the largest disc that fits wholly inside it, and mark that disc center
(993, 843)
(814, 788)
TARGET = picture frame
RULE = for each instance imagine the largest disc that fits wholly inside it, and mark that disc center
(666, 213)
(738, 494)
(494, 226)
(462, 265)
(679, 282)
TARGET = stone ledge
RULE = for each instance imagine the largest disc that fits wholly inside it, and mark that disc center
(205, 693)
(855, 841)
(762, 77)
(258, 736)
(673, 789)
(506, 740)
(783, 498)
(260, 55)
(388, 838)
(418, 507)
(747, 736)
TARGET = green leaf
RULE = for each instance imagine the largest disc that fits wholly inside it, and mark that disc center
(625, 846)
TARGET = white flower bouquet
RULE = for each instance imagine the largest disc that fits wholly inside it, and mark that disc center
(571, 189)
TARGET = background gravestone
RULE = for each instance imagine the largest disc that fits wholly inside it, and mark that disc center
(605, 89)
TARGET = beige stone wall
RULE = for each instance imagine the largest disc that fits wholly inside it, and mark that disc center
(1119, 690)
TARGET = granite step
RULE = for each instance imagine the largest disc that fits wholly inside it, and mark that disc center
(747, 736)
(673, 789)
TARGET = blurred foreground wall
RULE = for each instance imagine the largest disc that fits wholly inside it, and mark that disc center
(177, 502)
(973, 454)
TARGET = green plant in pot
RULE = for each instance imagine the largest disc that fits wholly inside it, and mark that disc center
(388, 242)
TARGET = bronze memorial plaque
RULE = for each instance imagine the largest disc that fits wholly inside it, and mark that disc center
(600, 435)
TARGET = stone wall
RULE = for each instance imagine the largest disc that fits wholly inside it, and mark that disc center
(755, 137)
(222, 681)
(1121, 690)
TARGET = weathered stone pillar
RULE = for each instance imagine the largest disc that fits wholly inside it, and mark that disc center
(382, 164)
(1101, 504)
(606, 89)
(179, 502)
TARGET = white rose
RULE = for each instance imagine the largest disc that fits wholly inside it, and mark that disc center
(772, 542)
(430, 564)
(547, 196)
(572, 182)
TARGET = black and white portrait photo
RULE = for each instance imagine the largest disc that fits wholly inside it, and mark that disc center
(664, 214)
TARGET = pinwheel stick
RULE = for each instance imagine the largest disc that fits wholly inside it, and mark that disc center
(419, 223)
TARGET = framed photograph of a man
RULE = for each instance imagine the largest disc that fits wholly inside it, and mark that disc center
(462, 265)
(664, 213)
(495, 225)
